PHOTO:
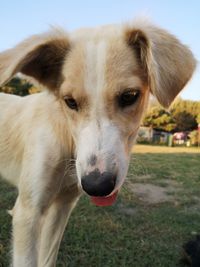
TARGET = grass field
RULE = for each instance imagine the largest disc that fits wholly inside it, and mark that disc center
(145, 228)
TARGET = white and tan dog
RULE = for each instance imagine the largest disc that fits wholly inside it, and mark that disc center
(78, 133)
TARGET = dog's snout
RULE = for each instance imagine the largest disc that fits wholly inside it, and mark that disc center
(98, 184)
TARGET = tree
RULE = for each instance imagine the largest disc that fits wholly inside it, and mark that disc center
(185, 121)
(182, 116)
(192, 107)
(159, 119)
(198, 118)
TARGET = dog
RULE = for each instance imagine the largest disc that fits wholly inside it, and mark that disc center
(191, 252)
(77, 135)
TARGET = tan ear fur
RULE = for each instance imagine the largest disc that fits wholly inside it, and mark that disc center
(168, 63)
(40, 57)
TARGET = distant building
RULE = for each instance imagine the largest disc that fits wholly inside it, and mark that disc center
(145, 134)
(150, 135)
(180, 138)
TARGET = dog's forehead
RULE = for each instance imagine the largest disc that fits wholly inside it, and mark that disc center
(100, 60)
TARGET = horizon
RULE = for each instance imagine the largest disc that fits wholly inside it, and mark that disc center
(21, 19)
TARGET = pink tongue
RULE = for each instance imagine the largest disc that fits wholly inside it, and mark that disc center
(104, 201)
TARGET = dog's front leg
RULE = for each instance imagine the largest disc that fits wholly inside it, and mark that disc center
(26, 228)
(54, 224)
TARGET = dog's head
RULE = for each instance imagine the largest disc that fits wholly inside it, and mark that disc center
(103, 78)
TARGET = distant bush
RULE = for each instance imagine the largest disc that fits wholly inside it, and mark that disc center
(194, 135)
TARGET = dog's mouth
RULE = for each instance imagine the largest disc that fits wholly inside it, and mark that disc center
(104, 201)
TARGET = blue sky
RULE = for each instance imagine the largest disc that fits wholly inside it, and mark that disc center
(21, 18)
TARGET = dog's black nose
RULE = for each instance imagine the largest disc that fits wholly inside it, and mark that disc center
(98, 184)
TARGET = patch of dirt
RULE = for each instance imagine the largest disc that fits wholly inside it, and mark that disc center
(145, 177)
(172, 183)
(153, 194)
(127, 210)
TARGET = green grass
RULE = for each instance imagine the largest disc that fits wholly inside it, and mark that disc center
(130, 233)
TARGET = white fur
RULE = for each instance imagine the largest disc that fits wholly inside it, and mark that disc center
(110, 155)
(95, 68)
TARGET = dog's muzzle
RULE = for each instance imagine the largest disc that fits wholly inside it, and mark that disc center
(98, 184)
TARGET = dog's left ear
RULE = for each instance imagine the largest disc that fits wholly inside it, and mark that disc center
(167, 63)
(40, 57)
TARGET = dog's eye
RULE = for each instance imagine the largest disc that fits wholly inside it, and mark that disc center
(71, 103)
(128, 98)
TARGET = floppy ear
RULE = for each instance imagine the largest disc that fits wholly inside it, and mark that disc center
(40, 57)
(167, 63)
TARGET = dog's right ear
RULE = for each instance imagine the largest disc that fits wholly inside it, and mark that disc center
(40, 57)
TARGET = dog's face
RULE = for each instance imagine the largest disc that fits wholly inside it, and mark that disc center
(102, 79)
(105, 95)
